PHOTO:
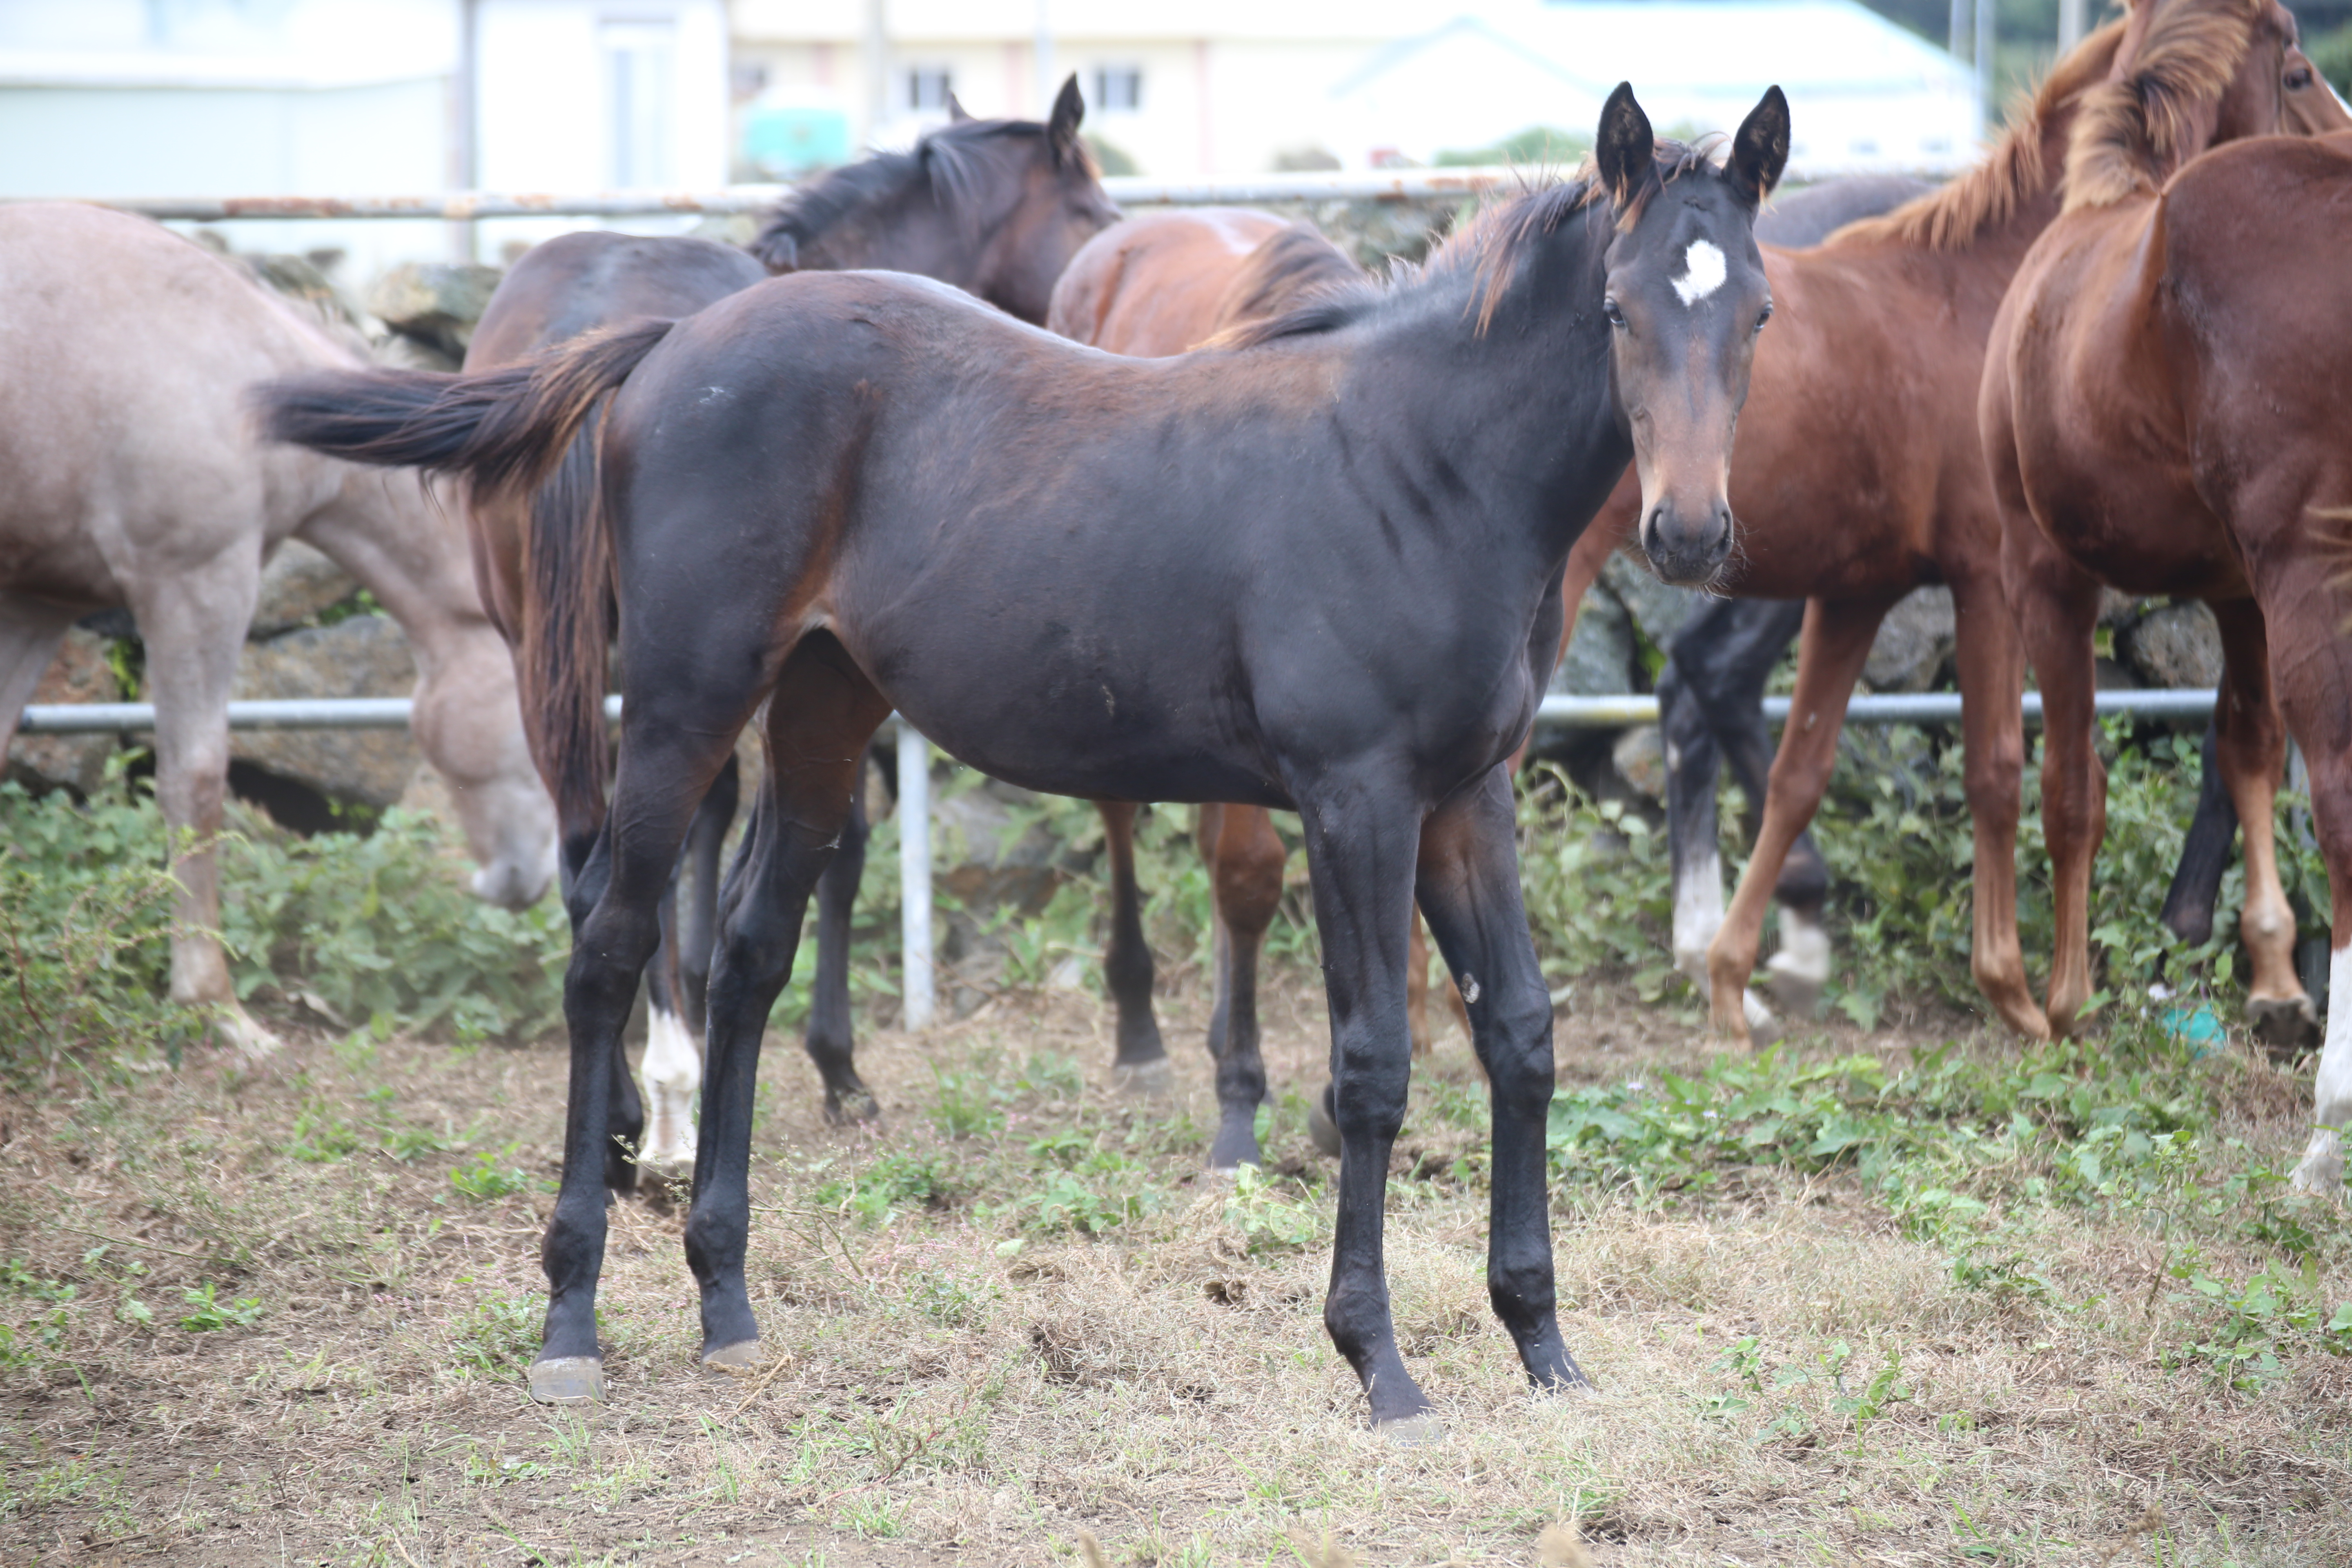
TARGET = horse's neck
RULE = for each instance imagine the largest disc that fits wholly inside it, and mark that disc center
(401, 546)
(1516, 426)
(905, 232)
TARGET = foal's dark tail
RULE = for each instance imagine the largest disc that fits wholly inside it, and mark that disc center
(526, 427)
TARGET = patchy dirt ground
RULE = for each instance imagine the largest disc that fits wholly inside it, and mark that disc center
(279, 1315)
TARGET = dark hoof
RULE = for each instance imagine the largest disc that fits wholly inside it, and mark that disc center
(568, 1380)
(2284, 1024)
(1236, 1145)
(740, 1356)
(1322, 1129)
(1154, 1080)
(1412, 1431)
(849, 1110)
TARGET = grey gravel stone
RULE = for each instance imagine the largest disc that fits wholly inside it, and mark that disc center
(366, 655)
(2176, 645)
(1914, 642)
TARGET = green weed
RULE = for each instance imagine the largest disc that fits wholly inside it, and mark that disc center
(208, 1314)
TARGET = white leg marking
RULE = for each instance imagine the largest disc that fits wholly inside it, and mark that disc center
(1804, 949)
(673, 1074)
(1758, 1014)
(1703, 272)
(2322, 1169)
(1698, 911)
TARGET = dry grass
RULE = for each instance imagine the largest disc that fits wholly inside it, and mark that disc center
(953, 1381)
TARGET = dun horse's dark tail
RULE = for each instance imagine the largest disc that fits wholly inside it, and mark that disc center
(530, 427)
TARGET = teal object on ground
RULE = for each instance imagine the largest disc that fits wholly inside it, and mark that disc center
(2198, 1024)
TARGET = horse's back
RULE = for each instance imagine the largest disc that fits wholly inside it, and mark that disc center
(2257, 288)
(577, 282)
(126, 353)
(1151, 286)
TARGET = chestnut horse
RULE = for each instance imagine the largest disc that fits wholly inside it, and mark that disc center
(1859, 477)
(997, 206)
(135, 481)
(1317, 569)
(2166, 406)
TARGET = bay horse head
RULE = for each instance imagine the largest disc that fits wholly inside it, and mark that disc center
(996, 207)
(1685, 297)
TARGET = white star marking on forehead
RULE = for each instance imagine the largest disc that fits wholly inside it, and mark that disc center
(1702, 272)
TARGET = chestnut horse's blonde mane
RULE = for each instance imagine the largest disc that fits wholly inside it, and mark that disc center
(2133, 131)
(2013, 172)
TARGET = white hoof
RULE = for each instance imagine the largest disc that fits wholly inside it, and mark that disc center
(240, 1034)
(2322, 1169)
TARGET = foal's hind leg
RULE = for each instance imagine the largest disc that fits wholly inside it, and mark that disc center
(831, 1041)
(1141, 1065)
(1468, 885)
(697, 922)
(821, 713)
(2250, 747)
(1362, 836)
(1246, 858)
(669, 751)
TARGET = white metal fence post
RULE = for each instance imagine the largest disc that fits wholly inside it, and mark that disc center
(915, 874)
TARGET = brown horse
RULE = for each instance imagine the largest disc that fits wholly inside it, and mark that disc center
(997, 206)
(2166, 406)
(135, 479)
(1858, 477)
(1315, 569)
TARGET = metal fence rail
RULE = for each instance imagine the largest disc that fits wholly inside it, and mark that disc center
(1556, 713)
(1132, 190)
(914, 763)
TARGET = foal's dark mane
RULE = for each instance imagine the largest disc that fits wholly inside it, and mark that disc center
(2133, 133)
(949, 160)
(2012, 173)
(1484, 252)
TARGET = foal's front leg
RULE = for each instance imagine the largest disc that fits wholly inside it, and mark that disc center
(1468, 885)
(1361, 839)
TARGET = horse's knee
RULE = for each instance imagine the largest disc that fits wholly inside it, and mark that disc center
(1519, 1051)
(1368, 1091)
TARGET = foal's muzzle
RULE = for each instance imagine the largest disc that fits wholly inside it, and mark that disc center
(1685, 550)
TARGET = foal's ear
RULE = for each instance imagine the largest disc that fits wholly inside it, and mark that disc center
(1760, 150)
(957, 112)
(1625, 151)
(1069, 112)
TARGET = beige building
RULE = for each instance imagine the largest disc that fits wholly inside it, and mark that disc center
(1208, 87)
(1240, 86)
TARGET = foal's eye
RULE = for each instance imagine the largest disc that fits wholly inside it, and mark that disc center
(1616, 317)
(1763, 318)
(2297, 79)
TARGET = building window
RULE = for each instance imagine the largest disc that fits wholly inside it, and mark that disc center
(927, 87)
(639, 71)
(1118, 87)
